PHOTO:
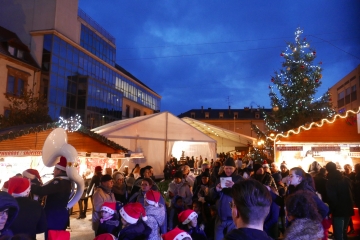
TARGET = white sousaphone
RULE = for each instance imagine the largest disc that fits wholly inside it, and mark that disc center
(55, 146)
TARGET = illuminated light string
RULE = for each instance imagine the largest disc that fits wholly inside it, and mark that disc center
(318, 124)
(71, 124)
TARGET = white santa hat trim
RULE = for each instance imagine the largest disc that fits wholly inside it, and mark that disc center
(107, 209)
(153, 203)
(23, 194)
(189, 218)
(26, 174)
(128, 218)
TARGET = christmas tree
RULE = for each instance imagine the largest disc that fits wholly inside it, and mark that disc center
(293, 91)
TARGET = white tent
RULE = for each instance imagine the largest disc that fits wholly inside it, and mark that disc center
(158, 136)
(226, 140)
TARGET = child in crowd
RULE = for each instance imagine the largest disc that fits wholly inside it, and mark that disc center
(109, 221)
(188, 223)
(176, 234)
(197, 207)
(134, 227)
(177, 206)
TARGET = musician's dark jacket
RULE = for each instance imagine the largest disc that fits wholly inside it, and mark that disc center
(57, 192)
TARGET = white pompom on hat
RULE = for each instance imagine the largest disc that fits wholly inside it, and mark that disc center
(131, 212)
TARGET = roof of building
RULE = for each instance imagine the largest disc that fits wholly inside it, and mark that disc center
(121, 69)
(8, 38)
(244, 113)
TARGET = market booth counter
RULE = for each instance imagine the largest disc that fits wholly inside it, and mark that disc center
(336, 140)
(21, 149)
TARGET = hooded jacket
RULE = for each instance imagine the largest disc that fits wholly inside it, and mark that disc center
(8, 202)
(304, 229)
(137, 231)
(155, 219)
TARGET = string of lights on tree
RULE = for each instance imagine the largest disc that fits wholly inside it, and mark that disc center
(293, 89)
(71, 124)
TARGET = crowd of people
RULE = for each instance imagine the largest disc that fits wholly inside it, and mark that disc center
(222, 199)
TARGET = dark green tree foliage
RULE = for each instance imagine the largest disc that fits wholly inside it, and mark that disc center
(292, 94)
(294, 87)
(26, 109)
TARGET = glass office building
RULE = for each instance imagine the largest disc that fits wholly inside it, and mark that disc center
(76, 82)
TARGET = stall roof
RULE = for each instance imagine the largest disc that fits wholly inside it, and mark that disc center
(215, 131)
(341, 128)
(158, 126)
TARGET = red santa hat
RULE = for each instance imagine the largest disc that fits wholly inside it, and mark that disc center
(186, 216)
(98, 169)
(62, 164)
(19, 187)
(131, 212)
(176, 234)
(265, 164)
(31, 174)
(152, 197)
(109, 207)
(5, 187)
(105, 236)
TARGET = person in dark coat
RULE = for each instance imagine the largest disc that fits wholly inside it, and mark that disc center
(57, 192)
(264, 177)
(35, 179)
(320, 181)
(339, 194)
(84, 200)
(249, 208)
(9, 209)
(222, 195)
(94, 183)
(31, 218)
(134, 227)
(177, 206)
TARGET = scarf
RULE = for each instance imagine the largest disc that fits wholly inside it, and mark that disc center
(105, 219)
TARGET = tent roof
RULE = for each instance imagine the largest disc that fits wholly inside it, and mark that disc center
(159, 126)
(337, 129)
(209, 129)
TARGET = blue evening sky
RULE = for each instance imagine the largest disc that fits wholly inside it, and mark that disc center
(215, 53)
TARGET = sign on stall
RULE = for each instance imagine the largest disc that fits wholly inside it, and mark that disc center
(100, 155)
(20, 153)
(289, 148)
(326, 148)
(118, 155)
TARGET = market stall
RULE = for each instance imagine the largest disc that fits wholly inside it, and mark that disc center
(336, 140)
(21, 149)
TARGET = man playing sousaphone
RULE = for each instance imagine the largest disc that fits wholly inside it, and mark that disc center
(58, 191)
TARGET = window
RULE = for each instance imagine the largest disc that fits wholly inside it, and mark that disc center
(11, 50)
(16, 82)
(6, 112)
(347, 95)
(207, 115)
(341, 99)
(144, 113)
(257, 115)
(353, 93)
(15, 52)
(192, 115)
(236, 115)
(136, 112)
(221, 115)
(127, 111)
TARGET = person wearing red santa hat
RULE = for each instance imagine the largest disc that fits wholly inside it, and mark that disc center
(35, 179)
(188, 223)
(155, 212)
(109, 220)
(176, 234)
(57, 192)
(28, 209)
(133, 216)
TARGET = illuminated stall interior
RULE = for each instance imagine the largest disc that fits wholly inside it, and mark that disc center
(336, 140)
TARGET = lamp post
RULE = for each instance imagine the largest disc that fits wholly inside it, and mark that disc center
(234, 123)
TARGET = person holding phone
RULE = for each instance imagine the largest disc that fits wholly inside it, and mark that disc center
(221, 193)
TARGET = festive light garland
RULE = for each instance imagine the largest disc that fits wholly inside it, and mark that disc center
(318, 124)
(71, 124)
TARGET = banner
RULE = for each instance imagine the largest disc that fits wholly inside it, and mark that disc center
(289, 148)
(20, 153)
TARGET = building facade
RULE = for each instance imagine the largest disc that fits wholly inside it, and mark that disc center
(345, 94)
(79, 74)
(18, 69)
(236, 120)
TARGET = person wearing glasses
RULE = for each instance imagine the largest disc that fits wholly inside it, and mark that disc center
(249, 206)
(9, 209)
